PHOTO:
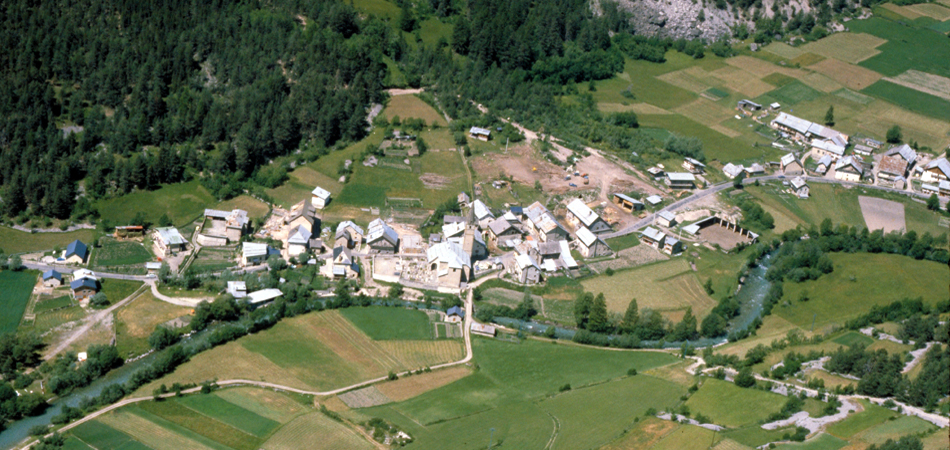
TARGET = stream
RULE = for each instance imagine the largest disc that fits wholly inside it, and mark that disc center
(750, 297)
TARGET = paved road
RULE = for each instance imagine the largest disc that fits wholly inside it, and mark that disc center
(116, 276)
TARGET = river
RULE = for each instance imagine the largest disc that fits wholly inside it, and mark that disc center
(750, 296)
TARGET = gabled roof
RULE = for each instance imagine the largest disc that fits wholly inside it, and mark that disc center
(481, 210)
(546, 222)
(825, 161)
(299, 236)
(341, 250)
(499, 226)
(829, 146)
(941, 164)
(671, 241)
(680, 176)
(52, 274)
(654, 199)
(798, 182)
(253, 249)
(83, 283)
(449, 253)
(453, 229)
(448, 218)
(788, 159)
(849, 162)
(755, 168)
(263, 295)
(84, 273)
(627, 198)
(732, 170)
(905, 152)
(694, 161)
(524, 261)
(534, 210)
(303, 209)
(669, 216)
(320, 192)
(153, 265)
(691, 229)
(77, 248)
(348, 224)
(583, 213)
(476, 130)
(750, 103)
(381, 230)
(566, 257)
(170, 236)
(511, 217)
(789, 121)
(653, 234)
(455, 311)
(586, 237)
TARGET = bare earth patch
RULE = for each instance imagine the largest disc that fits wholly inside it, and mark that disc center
(436, 181)
(409, 387)
(364, 398)
(882, 214)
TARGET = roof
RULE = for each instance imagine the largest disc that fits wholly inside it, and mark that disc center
(463, 197)
(583, 213)
(627, 198)
(671, 241)
(300, 236)
(775, 105)
(449, 253)
(755, 168)
(732, 170)
(348, 224)
(534, 210)
(84, 273)
(476, 130)
(481, 211)
(481, 328)
(499, 226)
(789, 121)
(303, 209)
(263, 295)
(849, 161)
(788, 159)
(586, 237)
(83, 283)
(216, 213)
(906, 153)
(234, 218)
(455, 311)
(452, 219)
(517, 210)
(695, 162)
(825, 161)
(941, 164)
(654, 199)
(691, 229)
(238, 289)
(798, 182)
(669, 216)
(749, 102)
(320, 192)
(893, 164)
(524, 261)
(566, 255)
(829, 146)
(453, 229)
(338, 250)
(52, 274)
(252, 249)
(153, 265)
(546, 222)
(653, 233)
(680, 176)
(380, 230)
(170, 236)
(77, 248)
(511, 217)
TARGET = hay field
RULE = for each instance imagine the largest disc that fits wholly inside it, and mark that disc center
(741, 81)
(410, 106)
(15, 291)
(924, 82)
(644, 434)
(848, 47)
(705, 111)
(318, 432)
(821, 442)
(880, 116)
(183, 202)
(264, 402)
(807, 59)
(852, 96)
(639, 108)
(253, 206)
(687, 437)
(666, 286)
(147, 431)
(691, 79)
(821, 82)
(784, 50)
(934, 10)
(138, 319)
(853, 76)
(15, 241)
(409, 387)
(717, 399)
(894, 429)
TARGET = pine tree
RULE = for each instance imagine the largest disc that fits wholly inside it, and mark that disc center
(598, 321)
(630, 318)
(14, 198)
(686, 329)
(582, 309)
(830, 116)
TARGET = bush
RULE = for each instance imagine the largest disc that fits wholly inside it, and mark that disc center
(745, 378)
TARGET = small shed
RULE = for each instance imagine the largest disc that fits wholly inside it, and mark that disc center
(52, 278)
(455, 314)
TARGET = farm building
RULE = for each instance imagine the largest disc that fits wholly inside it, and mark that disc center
(652, 237)
(809, 131)
(128, 230)
(52, 278)
(693, 166)
(450, 264)
(936, 170)
(382, 238)
(748, 105)
(479, 133)
(849, 169)
(579, 215)
(732, 171)
(656, 172)
(680, 180)
(824, 164)
(589, 245)
(666, 218)
(169, 240)
(482, 330)
(237, 289)
(863, 150)
(455, 315)
(754, 170)
(527, 270)
(348, 234)
(896, 162)
(225, 227)
(262, 296)
(654, 200)
(501, 231)
(303, 214)
(827, 148)
(873, 143)
(152, 268)
(298, 241)
(799, 186)
(253, 253)
(672, 246)
(627, 203)
(76, 253)
(791, 165)
(512, 218)
(342, 265)
(941, 188)
(84, 288)
(482, 214)
(775, 106)
(319, 197)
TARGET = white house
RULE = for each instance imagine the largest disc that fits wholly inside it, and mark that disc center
(483, 215)
(589, 245)
(169, 240)
(320, 197)
(298, 242)
(824, 164)
(579, 215)
(253, 253)
(450, 264)
(262, 296)
(732, 170)
(936, 170)
(652, 237)
(799, 186)
(348, 234)
(237, 289)
(382, 238)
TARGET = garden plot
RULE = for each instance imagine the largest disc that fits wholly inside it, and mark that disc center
(364, 398)
(882, 214)
(848, 47)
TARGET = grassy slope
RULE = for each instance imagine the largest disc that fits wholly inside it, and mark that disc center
(13, 241)
(390, 323)
(116, 290)
(120, 253)
(15, 290)
(182, 202)
(665, 286)
(718, 400)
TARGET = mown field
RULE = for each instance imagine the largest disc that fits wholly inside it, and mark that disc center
(119, 253)
(859, 281)
(390, 323)
(136, 321)
(117, 290)
(317, 351)
(669, 287)
(509, 393)
(14, 241)
(182, 202)
(254, 207)
(15, 290)
(719, 400)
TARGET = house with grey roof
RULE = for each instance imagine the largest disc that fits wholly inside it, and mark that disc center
(672, 246)
(223, 227)
(791, 165)
(84, 288)
(482, 213)
(450, 264)
(527, 270)
(319, 197)
(896, 163)
(799, 187)
(253, 253)
(591, 246)
(652, 237)
(654, 200)
(299, 241)
(824, 163)
(479, 133)
(936, 170)
(849, 169)
(348, 234)
(455, 314)
(169, 240)
(680, 180)
(693, 165)
(303, 214)
(666, 218)
(627, 202)
(732, 170)
(382, 238)
(501, 231)
(579, 215)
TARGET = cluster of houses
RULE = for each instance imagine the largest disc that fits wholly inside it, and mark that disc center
(679, 180)
(83, 282)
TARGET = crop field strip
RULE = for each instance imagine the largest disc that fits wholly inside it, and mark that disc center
(15, 291)
(848, 47)
(264, 402)
(52, 319)
(99, 435)
(319, 432)
(213, 429)
(154, 435)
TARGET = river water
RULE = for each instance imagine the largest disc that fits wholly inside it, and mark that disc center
(750, 296)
